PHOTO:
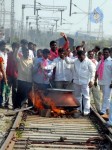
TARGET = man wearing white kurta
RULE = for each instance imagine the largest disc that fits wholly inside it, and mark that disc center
(63, 74)
(106, 79)
(84, 74)
(95, 90)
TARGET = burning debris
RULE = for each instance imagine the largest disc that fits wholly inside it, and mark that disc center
(47, 105)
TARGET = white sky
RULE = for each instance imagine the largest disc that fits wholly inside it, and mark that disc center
(79, 20)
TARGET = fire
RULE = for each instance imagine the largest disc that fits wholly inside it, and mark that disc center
(41, 102)
(36, 100)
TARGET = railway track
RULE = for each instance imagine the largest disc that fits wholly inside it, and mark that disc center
(42, 133)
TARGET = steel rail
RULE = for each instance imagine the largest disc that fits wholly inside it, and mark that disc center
(54, 133)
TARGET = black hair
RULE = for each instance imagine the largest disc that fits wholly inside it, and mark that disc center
(52, 42)
(15, 44)
(97, 47)
(90, 52)
(34, 44)
(106, 49)
(30, 43)
(78, 47)
(39, 51)
(2, 43)
(80, 53)
(99, 53)
(45, 51)
(23, 41)
(61, 50)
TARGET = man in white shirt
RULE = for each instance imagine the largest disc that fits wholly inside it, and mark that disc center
(95, 90)
(24, 44)
(104, 74)
(84, 74)
(63, 74)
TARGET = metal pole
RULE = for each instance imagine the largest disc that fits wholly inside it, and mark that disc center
(70, 8)
(37, 19)
(89, 22)
(12, 22)
(61, 16)
(34, 6)
(56, 24)
(22, 21)
(27, 27)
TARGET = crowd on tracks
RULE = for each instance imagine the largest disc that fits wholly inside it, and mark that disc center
(85, 72)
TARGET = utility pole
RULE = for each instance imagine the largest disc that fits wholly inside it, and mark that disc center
(61, 10)
(56, 20)
(89, 22)
(22, 21)
(2, 13)
(27, 27)
(37, 19)
(70, 8)
(100, 34)
(12, 22)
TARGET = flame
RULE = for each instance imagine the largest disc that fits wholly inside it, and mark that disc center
(36, 100)
(39, 101)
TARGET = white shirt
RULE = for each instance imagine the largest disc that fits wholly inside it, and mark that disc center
(31, 55)
(5, 57)
(107, 72)
(63, 70)
(95, 63)
(84, 71)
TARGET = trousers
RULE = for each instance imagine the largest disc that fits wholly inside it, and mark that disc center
(95, 91)
(23, 89)
(79, 91)
(110, 113)
(106, 91)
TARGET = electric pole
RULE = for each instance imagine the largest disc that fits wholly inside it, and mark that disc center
(22, 21)
(37, 19)
(89, 22)
(12, 22)
(56, 20)
(70, 8)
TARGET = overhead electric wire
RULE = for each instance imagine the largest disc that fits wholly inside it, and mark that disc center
(103, 3)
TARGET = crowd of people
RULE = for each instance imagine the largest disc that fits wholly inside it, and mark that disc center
(85, 72)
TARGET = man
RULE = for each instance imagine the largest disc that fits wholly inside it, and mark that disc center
(54, 49)
(2, 78)
(95, 90)
(35, 50)
(40, 76)
(30, 46)
(63, 74)
(25, 66)
(4, 87)
(54, 53)
(12, 74)
(24, 44)
(96, 50)
(104, 75)
(109, 122)
(84, 74)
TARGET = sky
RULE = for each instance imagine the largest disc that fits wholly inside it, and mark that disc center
(79, 21)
